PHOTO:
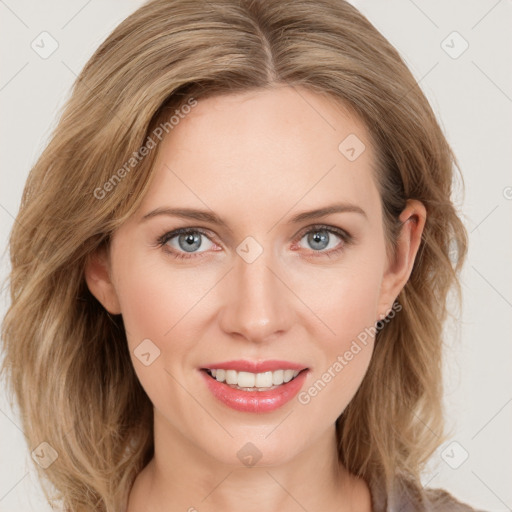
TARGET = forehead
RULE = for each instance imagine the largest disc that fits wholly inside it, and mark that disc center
(264, 150)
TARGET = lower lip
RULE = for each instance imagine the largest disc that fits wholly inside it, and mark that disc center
(255, 401)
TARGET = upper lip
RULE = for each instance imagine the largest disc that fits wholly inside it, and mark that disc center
(243, 365)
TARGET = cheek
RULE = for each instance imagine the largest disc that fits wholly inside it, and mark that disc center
(146, 306)
(344, 357)
(157, 306)
(165, 306)
(329, 392)
(354, 302)
(344, 300)
(155, 301)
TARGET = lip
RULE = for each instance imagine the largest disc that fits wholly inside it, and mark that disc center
(254, 401)
(243, 365)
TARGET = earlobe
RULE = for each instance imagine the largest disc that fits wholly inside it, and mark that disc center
(413, 219)
(98, 279)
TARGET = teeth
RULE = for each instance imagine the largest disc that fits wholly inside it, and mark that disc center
(278, 377)
(264, 380)
(231, 377)
(288, 375)
(248, 380)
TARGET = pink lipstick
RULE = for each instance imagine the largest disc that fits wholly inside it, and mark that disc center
(251, 386)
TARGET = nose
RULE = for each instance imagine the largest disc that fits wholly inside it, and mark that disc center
(259, 305)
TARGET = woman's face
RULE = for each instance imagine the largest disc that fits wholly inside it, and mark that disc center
(262, 288)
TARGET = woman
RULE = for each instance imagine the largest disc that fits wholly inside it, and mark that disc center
(235, 254)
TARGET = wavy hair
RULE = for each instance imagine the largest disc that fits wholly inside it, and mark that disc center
(66, 360)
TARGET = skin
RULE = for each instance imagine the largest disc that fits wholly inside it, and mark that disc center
(255, 159)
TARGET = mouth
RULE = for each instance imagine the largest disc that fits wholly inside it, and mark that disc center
(254, 387)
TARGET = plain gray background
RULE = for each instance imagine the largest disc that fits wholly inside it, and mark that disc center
(471, 93)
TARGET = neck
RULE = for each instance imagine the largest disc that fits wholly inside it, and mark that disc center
(182, 477)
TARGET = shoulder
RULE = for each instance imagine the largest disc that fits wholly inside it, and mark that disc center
(441, 500)
(409, 497)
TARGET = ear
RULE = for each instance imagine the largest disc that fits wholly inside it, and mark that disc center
(399, 269)
(98, 279)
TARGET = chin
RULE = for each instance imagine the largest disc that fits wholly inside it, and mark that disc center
(252, 449)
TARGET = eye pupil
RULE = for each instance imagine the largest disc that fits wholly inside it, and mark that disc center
(192, 242)
(319, 237)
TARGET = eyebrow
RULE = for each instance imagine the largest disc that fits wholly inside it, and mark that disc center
(327, 210)
(207, 216)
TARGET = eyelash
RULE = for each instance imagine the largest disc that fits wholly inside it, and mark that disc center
(346, 237)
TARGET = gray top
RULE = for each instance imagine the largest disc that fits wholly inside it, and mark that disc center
(408, 498)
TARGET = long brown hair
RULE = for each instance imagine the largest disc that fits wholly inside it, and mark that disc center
(66, 359)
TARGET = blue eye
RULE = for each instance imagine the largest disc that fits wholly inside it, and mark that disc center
(185, 242)
(188, 240)
(319, 239)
